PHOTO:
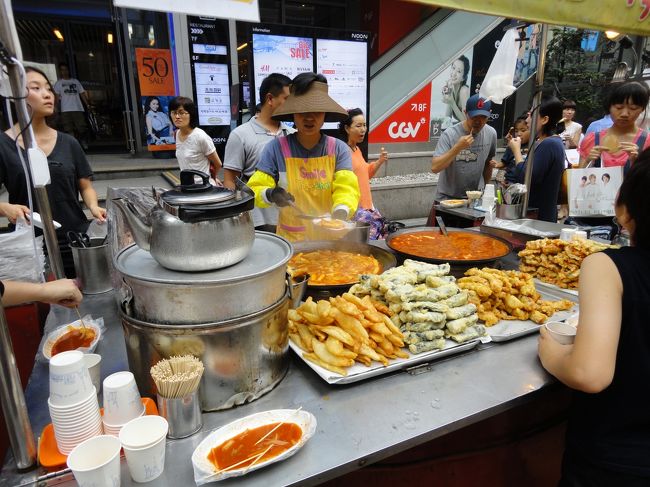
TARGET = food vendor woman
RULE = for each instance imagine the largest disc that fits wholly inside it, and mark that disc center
(315, 169)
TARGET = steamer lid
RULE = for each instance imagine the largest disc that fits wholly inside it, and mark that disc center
(269, 252)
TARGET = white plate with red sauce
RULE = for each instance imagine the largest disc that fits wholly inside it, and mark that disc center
(206, 471)
(62, 332)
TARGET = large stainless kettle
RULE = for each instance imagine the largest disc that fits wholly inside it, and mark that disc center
(195, 226)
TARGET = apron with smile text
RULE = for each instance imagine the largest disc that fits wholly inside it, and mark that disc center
(309, 180)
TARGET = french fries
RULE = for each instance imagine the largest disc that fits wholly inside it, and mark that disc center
(346, 329)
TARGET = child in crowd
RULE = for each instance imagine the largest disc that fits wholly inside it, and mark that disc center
(507, 165)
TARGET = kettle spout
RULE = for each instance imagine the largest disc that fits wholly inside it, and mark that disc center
(141, 231)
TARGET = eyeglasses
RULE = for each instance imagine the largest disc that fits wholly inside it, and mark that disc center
(179, 113)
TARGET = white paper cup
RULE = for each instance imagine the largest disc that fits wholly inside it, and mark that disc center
(73, 409)
(93, 364)
(580, 234)
(122, 401)
(573, 319)
(96, 462)
(69, 379)
(114, 430)
(561, 332)
(143, 432)
(146, 464)
(567, 234)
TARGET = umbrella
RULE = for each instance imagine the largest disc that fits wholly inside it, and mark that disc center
(631, 17)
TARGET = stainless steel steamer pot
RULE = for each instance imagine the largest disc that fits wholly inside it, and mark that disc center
(244, 357)
(154, 294)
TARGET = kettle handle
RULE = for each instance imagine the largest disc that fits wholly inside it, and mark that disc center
(187, 177)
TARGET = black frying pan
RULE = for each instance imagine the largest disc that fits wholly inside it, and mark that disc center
(465, 263)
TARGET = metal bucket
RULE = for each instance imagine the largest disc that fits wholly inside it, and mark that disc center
(244, 357)
(91, 266)
(509, 212)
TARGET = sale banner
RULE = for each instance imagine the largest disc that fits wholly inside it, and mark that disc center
(409, 123)
(156, 79)
(155, 72)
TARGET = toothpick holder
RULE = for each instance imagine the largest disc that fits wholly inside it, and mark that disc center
(182, 413)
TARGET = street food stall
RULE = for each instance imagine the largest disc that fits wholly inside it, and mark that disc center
(415, 342)
(435, 339)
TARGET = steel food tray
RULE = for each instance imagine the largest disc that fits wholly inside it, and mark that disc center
(539, 283)
(506, 330)
(359, 372)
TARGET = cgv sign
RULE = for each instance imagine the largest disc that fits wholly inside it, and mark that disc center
(409, 123)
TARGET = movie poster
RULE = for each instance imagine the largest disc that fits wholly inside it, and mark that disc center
(449, 93)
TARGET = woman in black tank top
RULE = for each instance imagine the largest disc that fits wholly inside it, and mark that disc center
(608, 433)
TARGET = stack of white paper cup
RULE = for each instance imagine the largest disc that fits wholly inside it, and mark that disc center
(122, 401)
(93, 364)
(73, 401)
(144, 440)
(488, 197)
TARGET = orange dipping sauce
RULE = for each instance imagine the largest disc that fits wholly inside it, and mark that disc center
(242, 451)
(456, 246)
(73, 339)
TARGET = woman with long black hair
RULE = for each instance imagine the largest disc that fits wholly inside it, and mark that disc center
(549, 158)
(70, 172)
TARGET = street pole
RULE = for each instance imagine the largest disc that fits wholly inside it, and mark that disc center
(12, 399)
(537, 99)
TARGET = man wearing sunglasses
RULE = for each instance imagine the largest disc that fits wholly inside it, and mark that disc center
(463, 156)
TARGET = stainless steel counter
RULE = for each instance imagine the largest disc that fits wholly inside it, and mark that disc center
(357, 424)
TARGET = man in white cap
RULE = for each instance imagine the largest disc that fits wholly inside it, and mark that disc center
(463, 156)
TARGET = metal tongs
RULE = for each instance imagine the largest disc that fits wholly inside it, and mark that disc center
(78, 239)
(514, 193)
(443, 227)
(302, 214)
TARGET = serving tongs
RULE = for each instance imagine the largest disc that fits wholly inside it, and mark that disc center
(301, 214)
(78, 239)
(441, 224)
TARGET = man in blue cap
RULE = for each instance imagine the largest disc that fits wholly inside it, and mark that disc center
(463, 156)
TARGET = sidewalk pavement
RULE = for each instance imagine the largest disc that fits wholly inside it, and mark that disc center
(106, 163)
